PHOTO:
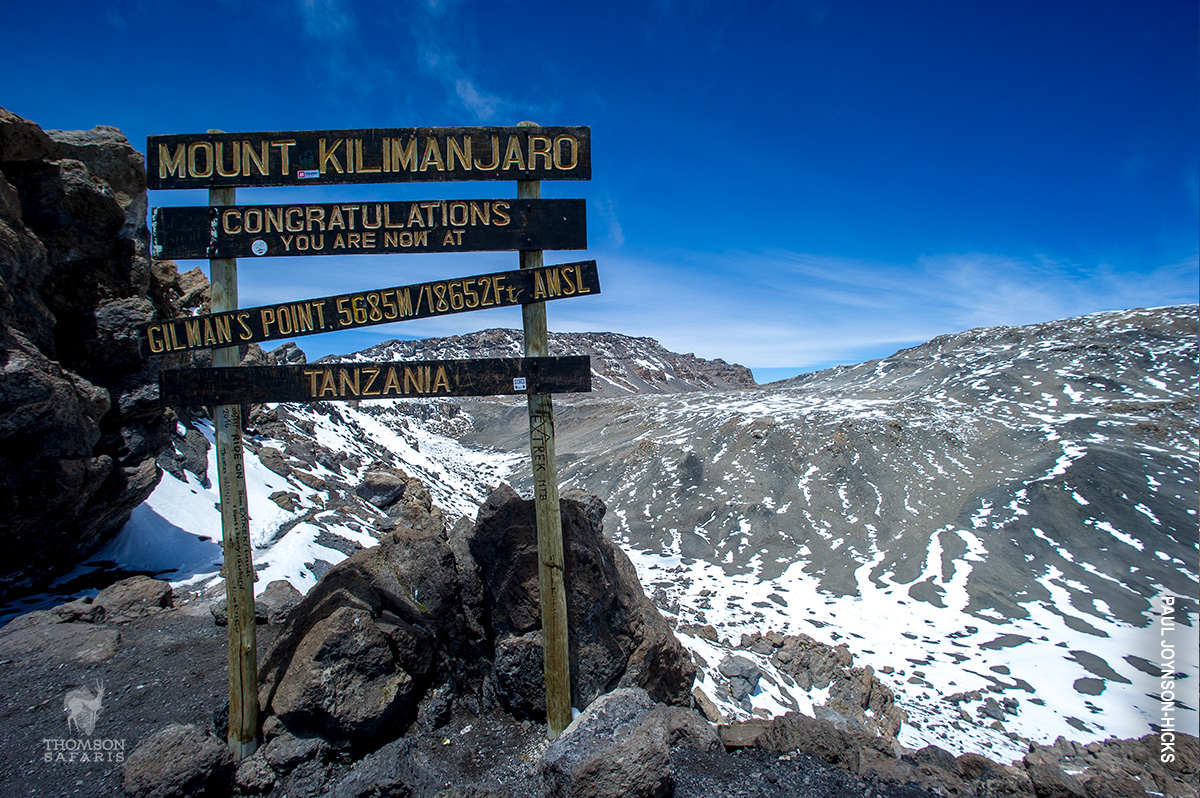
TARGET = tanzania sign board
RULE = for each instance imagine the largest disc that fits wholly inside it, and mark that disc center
(374, 228)
(367, 308)
(316, 382)
(388, 155)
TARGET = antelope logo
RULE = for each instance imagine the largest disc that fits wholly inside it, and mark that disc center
(84, 707)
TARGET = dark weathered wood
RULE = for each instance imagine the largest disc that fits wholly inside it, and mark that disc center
(368, 228)
(317, 382)
(392, 155)
(556, 661)
(367, 308)
(238, 566)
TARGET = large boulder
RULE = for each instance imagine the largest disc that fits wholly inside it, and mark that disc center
(80, 425)
(359, 651)
(617, 638)
(431, 620)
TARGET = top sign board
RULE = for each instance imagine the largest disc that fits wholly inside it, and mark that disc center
(384, 155)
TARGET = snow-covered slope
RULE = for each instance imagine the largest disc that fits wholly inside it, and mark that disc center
(996, 514)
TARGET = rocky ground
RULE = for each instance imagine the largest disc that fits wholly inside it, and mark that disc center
(412, 669)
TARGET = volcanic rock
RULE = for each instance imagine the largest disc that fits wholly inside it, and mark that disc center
(80, 425)
(178, 762)
(617, 637)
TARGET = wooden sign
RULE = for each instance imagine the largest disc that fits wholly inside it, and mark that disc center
(318, 382)
(388, 155)
(368, 308)
(369, 228)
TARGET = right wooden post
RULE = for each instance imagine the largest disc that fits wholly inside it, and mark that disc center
(556, 656)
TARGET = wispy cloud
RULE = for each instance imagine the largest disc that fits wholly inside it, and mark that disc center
(766, 309)
(326, 19)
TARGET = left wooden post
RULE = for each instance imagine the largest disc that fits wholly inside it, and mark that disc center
(235, 523)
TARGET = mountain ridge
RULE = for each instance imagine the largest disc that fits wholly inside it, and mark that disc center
(621, 364)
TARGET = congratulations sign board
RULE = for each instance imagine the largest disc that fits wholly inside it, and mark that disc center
(369, 228)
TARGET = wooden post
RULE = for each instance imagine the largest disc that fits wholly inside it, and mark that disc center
(235, 525)
(556, 658)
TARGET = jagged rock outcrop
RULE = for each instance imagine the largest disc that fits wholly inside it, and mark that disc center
(80, 424)
(1109, 768)
(429, 620)
(618, 637)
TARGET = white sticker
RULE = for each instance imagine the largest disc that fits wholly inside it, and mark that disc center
(518, 383)
(258, 247)
(308, 174)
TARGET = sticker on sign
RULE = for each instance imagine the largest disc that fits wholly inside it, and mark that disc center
(308, 174)
(519, 384)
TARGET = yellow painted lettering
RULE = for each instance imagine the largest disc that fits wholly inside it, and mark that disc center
(539, 147)
(487, 167)
(432, 155)
(219, 157)
(404, 157)
(259, 160)
(327, 156)
(171, 164)
(513, 155)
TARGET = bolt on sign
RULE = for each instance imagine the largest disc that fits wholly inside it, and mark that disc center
(367, 308)
(390, 379)
(369, 228)
(390, 155)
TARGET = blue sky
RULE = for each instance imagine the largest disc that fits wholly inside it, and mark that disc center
(783, 185)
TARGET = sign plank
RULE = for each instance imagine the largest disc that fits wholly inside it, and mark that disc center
(382, 155)
(316, 382)
(368, 308)
(369, 228)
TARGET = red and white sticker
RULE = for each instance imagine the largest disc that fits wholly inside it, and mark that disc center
(308, 174)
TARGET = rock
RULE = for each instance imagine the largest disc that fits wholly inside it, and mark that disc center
(279, 599)
(1051, 782)
(617, 636)
(285, 752)
(134, 597)
(219, 610)
(612, 750)
(286, 499)
(1100, 787)
(742, 673)
(519, 674)
(344, 682)
(42, 638)
(80, 423)
(393, 770)
(706, 705)
(359, 651)
(82, 610)
(381, 488)
(254, 775)
(179, 761)
(795, 732)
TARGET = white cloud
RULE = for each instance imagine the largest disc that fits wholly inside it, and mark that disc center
(325, 19)
(762, 310)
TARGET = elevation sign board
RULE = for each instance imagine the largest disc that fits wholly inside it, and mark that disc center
(387, 155)
(367, 308)
(369, 228)
(317, 382)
